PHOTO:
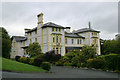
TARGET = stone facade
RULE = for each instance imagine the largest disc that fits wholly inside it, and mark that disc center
(54, 37)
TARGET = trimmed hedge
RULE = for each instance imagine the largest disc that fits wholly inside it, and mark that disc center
(46, 66)
(96, 63)
(107, 62)
(112, 61)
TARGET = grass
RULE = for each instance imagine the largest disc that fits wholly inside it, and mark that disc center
(11, 65)
(0, 63)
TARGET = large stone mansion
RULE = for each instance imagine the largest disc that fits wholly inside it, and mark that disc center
(55, 37)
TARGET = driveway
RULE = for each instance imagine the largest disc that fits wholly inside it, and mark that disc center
(63, 72)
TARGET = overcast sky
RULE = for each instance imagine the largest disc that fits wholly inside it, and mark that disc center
(103, 16)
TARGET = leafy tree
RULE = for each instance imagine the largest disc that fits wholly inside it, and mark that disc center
(89, 52)
(111, 46)
(34, 49)
(80, 56)
(6, 43)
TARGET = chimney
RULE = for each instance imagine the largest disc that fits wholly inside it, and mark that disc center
(89, 25)
(68, 29)
(40, 19)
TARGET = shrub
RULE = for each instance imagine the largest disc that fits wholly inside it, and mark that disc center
(96, 63)
(31, 62)
(34, 49)
(74, 61)
(79, 65)
(17, 58)
(59, 63)
(24, 60)
(112, 61)
(38, 61)
(83, 65)
(67, 64)
(52, 57)
(41, 55)
(46, 66)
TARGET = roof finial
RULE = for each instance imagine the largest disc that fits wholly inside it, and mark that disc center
(89, 25)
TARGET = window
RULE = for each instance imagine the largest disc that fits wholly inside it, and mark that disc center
(52, 29)
(56, 50)
(35, 39)
(59, 29)
(80, 41)
(56, 29)
(65, 40)
(53, 39)
(72, 41)
(56, 39)
(92, 34)
(77, 41)
(60, 40)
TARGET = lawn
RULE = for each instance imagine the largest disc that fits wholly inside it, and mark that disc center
(11, 65)
(0, 63)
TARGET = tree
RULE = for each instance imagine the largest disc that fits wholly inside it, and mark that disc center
(6, 43)
(34, 49)
(111, 46)
(88, 52)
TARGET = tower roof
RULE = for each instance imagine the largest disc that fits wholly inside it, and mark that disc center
(85, 30)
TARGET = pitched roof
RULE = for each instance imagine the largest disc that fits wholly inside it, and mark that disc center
(85, 30)
(50, 24)
(73, 35)
(31, 30)
(19, 38)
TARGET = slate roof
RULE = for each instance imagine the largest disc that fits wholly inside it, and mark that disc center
(31, 30)
(85, 30)
(73, 35)
(19, 38)
(50, 24)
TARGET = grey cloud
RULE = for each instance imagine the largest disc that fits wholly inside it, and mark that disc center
(103, 15)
